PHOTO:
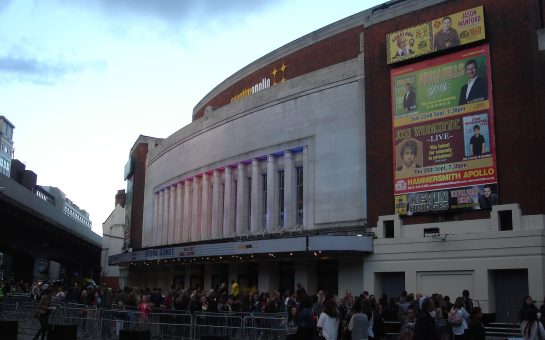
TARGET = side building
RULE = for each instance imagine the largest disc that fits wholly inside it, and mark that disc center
(454, 193)
(69, 208)
(112, 242)
(6, 145)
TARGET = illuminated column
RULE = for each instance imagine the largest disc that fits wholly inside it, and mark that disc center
(195, 211)
(305, 186)
(159, 231)
(178, 213)
(254, 214)
(171, 215)
(166, 206)
(187, 212)
(216, 186)
(227, 212)
(205, 207)
(155, 217)
(271, 202)
(241, 198)
(289, 204)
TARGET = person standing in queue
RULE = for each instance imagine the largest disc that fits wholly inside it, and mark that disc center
(44, 309)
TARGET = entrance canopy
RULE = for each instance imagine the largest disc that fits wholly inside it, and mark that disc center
(251, 249)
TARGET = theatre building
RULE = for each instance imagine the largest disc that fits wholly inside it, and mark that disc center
(396, 149)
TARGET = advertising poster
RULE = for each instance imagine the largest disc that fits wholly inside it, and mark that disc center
(463, 198)
(409, 43)
(443, 135)
(439, 34)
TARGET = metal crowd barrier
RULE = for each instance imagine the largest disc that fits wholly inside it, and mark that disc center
(18, 297)
(206, 324)
(513, 323)
(170, 324)
(443, 329)
(392, 329)
(265, 326)
(107, 324)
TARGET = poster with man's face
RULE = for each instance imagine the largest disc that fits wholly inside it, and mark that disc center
(445, 140)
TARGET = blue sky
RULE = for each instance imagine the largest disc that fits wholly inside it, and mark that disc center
(82, 79)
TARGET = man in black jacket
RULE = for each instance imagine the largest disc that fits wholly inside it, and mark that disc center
(476, 88)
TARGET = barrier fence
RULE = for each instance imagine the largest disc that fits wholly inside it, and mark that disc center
(108, 324)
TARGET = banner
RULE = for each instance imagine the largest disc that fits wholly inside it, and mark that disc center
(464, 198)
(439, 34)
(443, 133)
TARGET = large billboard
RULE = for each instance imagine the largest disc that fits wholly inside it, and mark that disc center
(438, 34)
(443, 133)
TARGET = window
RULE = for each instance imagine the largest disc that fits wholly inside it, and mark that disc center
(299, 193)
(4, 166)
(506, 219)
(281, 197)
(264, 201)
(389, 229)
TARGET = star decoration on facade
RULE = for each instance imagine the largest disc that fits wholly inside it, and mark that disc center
(282, 70)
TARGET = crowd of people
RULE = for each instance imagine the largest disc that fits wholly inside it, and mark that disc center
(318, 316)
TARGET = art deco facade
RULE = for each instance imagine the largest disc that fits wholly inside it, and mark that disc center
(290, 163)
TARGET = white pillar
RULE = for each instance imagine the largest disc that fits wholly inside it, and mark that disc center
(171, 215)
(178, 213)
(306, 187)
(166, 206)
(159, 232)
(272, 219)
(155, 219)
(241, 199)
(289, 198)
(195, 211)
(255, 213)
(205, 207)
(216, 221)
(187, 212)
(227, 211)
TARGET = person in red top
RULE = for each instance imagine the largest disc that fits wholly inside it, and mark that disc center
(144, 308)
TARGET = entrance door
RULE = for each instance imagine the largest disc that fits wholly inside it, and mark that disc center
(511, 286)
(393, 283)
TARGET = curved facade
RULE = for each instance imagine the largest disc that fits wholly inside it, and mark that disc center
(282, 157)
(292, 161)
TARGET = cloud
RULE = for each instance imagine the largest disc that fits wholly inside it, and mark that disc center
(180, 11)
(5, 4)
(44, 72)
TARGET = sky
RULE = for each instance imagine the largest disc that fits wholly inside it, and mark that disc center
(82, 79)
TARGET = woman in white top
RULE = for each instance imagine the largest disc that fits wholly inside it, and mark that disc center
(531, 328)
(328, 322)
(459, 331)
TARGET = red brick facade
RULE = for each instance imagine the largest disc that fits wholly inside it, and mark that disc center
(518, 87)
(137, 212)
(333, 50)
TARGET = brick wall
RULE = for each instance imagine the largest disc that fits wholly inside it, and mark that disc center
(518, 88)
(333, 50)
